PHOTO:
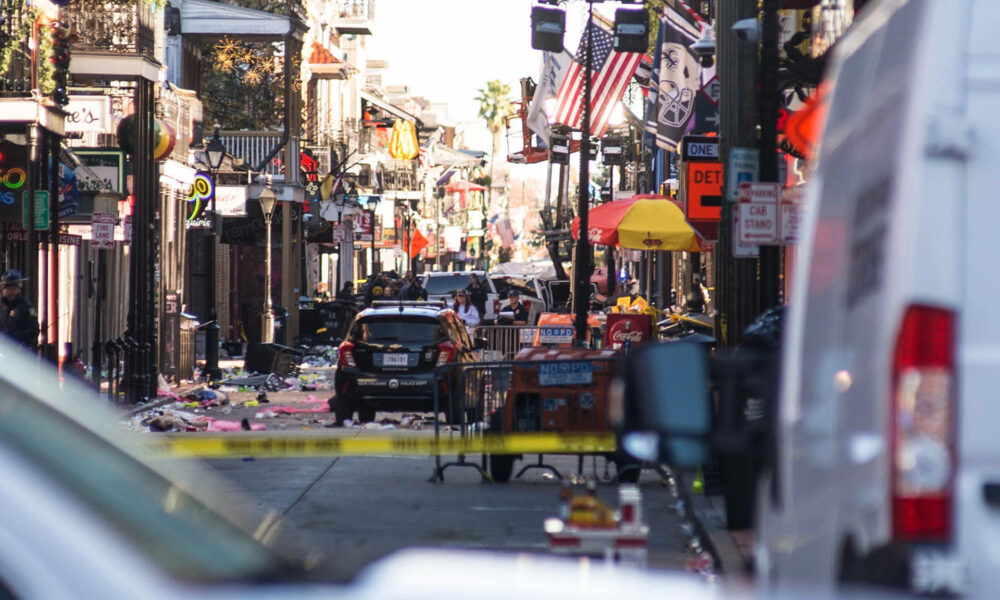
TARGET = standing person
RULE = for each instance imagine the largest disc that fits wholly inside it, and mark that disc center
(346, 293)
(322, 292)
(414, 291)
(516, 313)
(466, 311)
(375, 289)
(18, 319)
(477, 294)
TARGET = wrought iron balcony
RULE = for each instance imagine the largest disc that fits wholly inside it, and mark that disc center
(354, 17)
(116, 27)
(15, 72)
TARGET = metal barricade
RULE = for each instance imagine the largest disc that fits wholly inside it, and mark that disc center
(503, 342)
(543, 395)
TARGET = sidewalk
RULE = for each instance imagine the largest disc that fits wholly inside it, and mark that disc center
(734, 548)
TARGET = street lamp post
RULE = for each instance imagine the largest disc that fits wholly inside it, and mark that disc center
(268, 201)
(216, 151)
(372, 202)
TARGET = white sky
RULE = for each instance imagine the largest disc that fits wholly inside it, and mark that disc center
(445, 50)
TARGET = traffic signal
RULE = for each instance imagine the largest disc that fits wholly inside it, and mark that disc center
(548, 24)
(559, 148)
(631, 30)
(60, 59)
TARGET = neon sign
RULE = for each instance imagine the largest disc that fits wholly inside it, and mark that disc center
(202, 190)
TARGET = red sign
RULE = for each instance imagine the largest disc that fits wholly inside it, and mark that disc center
(627, 328)
(703, 187)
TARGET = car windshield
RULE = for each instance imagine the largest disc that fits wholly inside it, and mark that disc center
(445, 284)
(394, 330)
(163, 510)
(505, 284)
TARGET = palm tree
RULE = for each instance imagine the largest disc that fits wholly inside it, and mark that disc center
(494, 105)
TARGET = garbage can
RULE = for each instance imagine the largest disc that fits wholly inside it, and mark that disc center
(273, 358)
(186, 349)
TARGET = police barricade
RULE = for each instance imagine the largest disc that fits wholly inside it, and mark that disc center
(503, 342)
(568, 394)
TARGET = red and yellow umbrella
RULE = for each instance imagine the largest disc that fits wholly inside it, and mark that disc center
(643, 222)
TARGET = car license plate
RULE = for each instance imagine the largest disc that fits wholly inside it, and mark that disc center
(395, 360)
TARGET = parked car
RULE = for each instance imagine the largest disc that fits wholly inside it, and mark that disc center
(442, 285)
(388, 359)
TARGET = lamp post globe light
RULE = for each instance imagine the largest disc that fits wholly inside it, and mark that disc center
(216, 151)
(268, 202)
(372, 202)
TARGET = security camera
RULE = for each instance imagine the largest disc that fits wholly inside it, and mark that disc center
(704, 48)
(747, 30)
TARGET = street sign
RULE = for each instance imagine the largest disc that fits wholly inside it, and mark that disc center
(712, 90)
(339, 234)
(41, 210)
(758, 210)
(102, 228)
(565, 373)
(127, 228)
(700, 148)
(791, 222)
(555, 335)
(759, 191)
(741, 250)
(744, 164)
(703, 190)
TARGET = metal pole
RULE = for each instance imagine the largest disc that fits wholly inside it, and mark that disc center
(582, 265)
(371, 213)
(735, 280)
(267, 319)
(770, 256)
(212, 371)
(98, 316)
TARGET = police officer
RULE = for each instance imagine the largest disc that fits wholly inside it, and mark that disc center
(18, 319)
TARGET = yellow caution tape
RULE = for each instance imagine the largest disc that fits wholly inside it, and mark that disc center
(283, 446)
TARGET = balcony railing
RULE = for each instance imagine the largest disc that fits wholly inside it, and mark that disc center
(356, 9)
(354, 17)
(253, 147)
(111, 26)
(15, 78)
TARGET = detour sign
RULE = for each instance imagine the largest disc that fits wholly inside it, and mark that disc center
(703, 184)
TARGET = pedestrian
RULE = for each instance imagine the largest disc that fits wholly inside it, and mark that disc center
(466, 311)
(513, 313)
(414, 290)
(346, 292)
(18, 319)
(322, 293)
(375, 289)
(477, 294)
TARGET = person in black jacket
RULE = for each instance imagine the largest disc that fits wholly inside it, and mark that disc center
(18, 319)
(477, 294)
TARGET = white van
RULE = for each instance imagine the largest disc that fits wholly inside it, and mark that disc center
(888, 451)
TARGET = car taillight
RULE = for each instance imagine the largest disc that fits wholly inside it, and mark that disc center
(923, 425)
(446, 352)
(345, 357)
(496, 307)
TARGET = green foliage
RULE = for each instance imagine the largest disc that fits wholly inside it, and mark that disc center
(9, 44)
(242, 85)
(494, 104)
(654, 7)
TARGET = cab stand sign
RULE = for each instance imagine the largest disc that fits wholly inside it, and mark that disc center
(767, 216)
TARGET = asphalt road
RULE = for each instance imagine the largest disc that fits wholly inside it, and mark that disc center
(356, 509)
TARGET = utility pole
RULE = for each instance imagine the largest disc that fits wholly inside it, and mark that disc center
(581, 262)
(736, 291)
(770, 256)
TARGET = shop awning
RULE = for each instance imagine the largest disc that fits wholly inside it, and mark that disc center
(389, 108)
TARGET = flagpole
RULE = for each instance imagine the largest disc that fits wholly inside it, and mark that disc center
(581, 264)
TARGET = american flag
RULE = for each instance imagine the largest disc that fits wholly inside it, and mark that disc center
(611, 74)
(505, 231)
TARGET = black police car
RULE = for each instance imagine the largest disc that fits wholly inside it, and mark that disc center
(388, 358)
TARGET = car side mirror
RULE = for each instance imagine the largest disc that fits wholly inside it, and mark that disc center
(667, 413)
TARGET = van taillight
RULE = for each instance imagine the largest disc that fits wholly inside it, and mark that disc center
(496, 307)
(345, 356)
(923, 426)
